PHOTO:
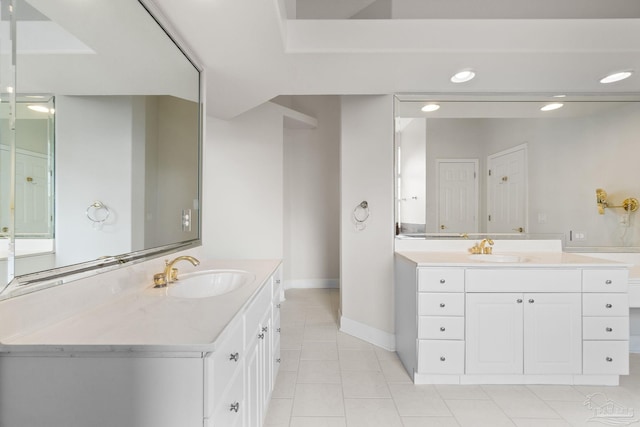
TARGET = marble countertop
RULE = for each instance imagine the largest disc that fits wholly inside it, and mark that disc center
(148, 320)
(526, 259)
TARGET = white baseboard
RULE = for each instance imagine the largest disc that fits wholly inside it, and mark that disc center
(367, 333)
(634, 344)
(312, 284)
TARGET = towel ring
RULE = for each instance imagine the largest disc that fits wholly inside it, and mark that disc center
(98, 212)
(360, 215)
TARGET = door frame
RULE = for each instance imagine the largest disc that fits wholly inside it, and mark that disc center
(476, 202)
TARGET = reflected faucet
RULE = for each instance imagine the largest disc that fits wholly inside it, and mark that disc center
(170, 274)
(479, 248)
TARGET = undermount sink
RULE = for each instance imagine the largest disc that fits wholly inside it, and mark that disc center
(497, 258)
(209, 283)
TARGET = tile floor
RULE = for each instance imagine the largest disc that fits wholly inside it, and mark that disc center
(331, 379)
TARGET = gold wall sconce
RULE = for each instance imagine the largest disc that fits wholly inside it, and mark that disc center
(630, 204)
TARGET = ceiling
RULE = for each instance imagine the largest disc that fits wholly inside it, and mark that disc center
(251, 52)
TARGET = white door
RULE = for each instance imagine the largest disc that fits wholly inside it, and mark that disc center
(507, 191)
(494, 340)
(5, 185)
(32, 207)
(457, 196)
(553, 333)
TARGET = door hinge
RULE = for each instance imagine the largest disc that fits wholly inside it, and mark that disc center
(489, 217)
(474, 175)
(489, 172)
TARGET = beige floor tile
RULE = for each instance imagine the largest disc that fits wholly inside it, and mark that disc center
(318, 400)
(290, 359)
(358, 360)
(321, 332)
(285, 385)
(478, 413)
(279, 412)
(318, 422)
(384, 354)
(418, 401)
(319, 350)
(321, 314)
(364, 384)
(319, 371)
(525, 407)
(539, 422)
(557, 392)
(371, 413)
(575, 413)
(394, 371)
(429, 422)
(349, 341)
(464, 392)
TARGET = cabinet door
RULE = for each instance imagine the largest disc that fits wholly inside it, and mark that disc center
(494, 333)
(253, 406)
(552, 333)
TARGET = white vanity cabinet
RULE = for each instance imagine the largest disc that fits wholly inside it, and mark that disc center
(564, 321)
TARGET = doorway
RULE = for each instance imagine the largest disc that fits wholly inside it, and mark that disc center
(507, 191)
(457, 195)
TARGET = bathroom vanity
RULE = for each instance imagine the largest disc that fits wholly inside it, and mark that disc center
(524, 318)
(131, 355)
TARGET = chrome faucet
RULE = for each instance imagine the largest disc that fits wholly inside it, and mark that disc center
(170, 274)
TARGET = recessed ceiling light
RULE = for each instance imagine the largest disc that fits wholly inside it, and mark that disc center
(463, 76)
(551, 107)
(616, 77)
(38, 108)
(430, 107)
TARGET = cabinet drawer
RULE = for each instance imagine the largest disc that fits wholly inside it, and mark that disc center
(225, 362)
(444, 304)
(605, 328)
(441, 328)
(605, 280)
(230, 411)
(605, 305)
(440, 357)
(441, 280)
(523, 280)
(605, 357)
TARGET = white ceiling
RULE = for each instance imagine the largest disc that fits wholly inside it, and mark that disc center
(251, 52)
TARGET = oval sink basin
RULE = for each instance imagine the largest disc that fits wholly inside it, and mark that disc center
(209, 283)
(497, 258)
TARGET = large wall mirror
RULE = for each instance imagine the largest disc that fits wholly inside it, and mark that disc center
(519, 167)
(100, 143)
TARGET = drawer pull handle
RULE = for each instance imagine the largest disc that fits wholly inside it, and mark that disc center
(234, 357)
(265, 329)
(609, 359)
(278, 330)
(442, 281)
(234, 407)
(278, 306)
(442, 305)
(278, 360)
(442, 328)
(531, 301)
(261, 336)
(609, 329)
(607, 282)
(519, 300)
(442, 358)
(608, 306)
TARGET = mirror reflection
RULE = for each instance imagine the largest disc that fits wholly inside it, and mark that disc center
(119, 145)
(510, 168)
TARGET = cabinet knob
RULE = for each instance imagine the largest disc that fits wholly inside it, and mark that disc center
(531, 301)
(608, 306)
(234, 407)
(442, 358)
(442, 304)
(265, 329)
(609, 359)
(261, 336)
(442, 281)
(234, 357)
(277, 281)
(442, 328)
(607, 282)
(278, 360)
(278, 306)
(278, 330)
(609, 329)
(519, 300)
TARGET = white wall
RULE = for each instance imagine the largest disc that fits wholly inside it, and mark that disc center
(93, 162)
(243, 185)
(413, 171)
(312, 195)
(367, 256)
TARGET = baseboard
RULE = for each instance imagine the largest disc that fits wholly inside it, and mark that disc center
(634, 344)
(312, 284)
(367, 333)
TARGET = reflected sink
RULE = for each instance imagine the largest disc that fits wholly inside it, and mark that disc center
(209, 283)
(498, 258)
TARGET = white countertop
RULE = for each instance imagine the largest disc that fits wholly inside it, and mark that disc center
(530, 259)
(148, 320)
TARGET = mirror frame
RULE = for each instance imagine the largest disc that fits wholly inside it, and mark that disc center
(496, 97)
(32, 282)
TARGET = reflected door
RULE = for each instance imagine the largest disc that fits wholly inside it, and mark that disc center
(507, 191)
(457, 196)
(33, 216)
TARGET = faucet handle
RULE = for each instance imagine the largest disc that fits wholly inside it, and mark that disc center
(159, 280)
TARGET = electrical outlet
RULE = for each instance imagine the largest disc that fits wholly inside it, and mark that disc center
(579, 236)
(186, 220)
(542, 218)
